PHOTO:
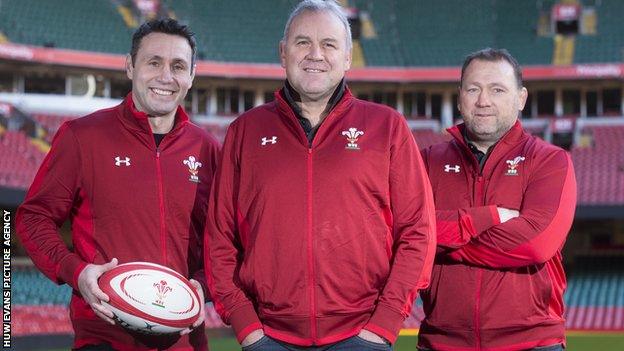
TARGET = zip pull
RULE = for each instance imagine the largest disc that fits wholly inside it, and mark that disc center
(309, 150)
(157, 153)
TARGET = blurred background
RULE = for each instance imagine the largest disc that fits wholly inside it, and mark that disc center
(61, 59)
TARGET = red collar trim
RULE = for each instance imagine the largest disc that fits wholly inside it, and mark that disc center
(514, 134)
(180, 117)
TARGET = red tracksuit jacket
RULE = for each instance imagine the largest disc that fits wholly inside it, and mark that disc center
(498, 286)
(314, 243)
(126, 199)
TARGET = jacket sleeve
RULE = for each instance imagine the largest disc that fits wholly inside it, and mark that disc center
(455, 228)
(223, 251)
(540, 230)
(47, 206)
(413, 218)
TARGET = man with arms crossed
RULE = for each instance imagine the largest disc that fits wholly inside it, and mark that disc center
(321, 222)
(504, 205)
(134, 180)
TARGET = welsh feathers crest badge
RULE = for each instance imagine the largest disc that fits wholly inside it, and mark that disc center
(512, 165)
(352, 137)
(161, 291)
(193, 168)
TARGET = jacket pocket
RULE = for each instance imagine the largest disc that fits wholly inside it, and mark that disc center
(351, 275)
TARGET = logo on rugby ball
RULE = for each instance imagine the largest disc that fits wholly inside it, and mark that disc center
(161, 290)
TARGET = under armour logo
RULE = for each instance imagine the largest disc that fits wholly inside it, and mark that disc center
(448, 168)
(119, 161)
(265, 141)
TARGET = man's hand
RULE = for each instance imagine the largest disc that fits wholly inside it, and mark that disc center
(90, 290)
(372, 337)
(202, 303)
(506, 214)
(252, 337)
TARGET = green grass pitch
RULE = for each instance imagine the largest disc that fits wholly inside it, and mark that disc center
(584, 341)
(577, 341)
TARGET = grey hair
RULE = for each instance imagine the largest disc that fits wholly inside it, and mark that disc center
(330, 6)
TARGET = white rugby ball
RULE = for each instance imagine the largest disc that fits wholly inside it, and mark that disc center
(150, 298)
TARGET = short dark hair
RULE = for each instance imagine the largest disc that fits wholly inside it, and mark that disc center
(166, 26)
(489, 54)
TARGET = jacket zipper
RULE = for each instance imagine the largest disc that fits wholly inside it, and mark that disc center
(478, 309)
(312, 281)
(480, 199)
(161, 204)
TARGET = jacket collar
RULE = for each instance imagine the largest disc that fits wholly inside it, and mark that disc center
(495, 152)
(342, 103)
(287, 112)
(137, 120)
(513, 135)
(292, 97)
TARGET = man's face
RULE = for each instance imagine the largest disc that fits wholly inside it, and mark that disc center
(490, 100)
(315, 54)
(161, 74)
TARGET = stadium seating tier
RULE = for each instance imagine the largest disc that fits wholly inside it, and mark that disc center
(409, 32)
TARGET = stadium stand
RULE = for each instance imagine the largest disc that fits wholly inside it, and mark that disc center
(516, 26)
(19, 160)
(37, 320)
(51, 123)
(607, 45)
(385, 48)
(595, 295)
(405, 40)
(224, 39)
(600, 167)
(454, 37)
(32, 288)
(65, 24)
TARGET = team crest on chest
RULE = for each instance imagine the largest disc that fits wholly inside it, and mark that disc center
(193, 168)
(512, 166)
(352, 137)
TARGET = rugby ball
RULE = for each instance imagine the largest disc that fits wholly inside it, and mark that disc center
(150, 298)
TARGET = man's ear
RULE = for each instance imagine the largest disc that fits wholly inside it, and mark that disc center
(193, 70)
(348, 59)
(522, 96)
(282, 53)
(129, 67)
